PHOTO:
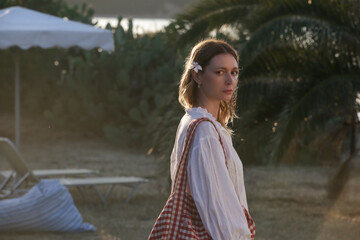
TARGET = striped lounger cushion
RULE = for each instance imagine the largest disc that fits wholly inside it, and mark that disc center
(48, 206)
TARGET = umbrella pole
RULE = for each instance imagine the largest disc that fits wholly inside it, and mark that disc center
(17, 97)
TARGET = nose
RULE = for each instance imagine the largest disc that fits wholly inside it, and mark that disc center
(229, 79)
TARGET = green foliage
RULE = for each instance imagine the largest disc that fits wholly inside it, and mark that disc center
(301, 69)
(299, 83)
(311, 54)
(38, 73)
(54, 7)
(197, 22)
(119, 94)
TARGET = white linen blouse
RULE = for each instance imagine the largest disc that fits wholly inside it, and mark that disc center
(218, 192)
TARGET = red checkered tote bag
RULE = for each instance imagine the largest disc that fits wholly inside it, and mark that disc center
(179, 219)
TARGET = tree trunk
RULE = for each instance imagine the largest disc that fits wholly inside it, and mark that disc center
(339, 180)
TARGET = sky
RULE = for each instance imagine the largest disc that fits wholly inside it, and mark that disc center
(136, 8)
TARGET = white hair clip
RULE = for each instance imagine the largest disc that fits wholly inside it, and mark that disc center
(195, 66)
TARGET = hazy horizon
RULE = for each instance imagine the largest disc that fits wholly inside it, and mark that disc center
(136, 8)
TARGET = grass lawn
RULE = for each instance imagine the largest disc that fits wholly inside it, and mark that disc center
(286, 202)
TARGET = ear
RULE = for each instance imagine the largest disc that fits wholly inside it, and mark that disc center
(195, 76)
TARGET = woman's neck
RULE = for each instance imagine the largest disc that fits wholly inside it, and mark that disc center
(211, 107)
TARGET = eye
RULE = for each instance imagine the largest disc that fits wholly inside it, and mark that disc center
(235, 73)
(219, 72)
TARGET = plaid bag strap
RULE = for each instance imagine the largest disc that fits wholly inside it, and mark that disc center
(251, 223)
(187, 144)
(180, 177)
(179, 187)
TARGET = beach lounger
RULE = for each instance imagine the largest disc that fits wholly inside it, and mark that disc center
(16, 161)
(24, 175)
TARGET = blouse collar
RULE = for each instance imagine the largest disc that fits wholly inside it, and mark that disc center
(202, 112)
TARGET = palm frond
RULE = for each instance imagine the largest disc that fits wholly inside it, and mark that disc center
(300, 33)
(208, 7)
(336, 92)
(343, 13)
(257, 89)
(197, 22)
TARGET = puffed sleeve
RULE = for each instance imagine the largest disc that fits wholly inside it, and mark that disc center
(213, 191)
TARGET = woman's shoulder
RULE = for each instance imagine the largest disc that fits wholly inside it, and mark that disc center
(206, 128)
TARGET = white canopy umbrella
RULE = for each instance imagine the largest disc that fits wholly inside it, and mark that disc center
(25, 28)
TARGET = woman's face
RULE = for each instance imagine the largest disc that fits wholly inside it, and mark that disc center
(219, 78)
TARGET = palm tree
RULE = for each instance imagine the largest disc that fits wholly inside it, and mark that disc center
(301, 71)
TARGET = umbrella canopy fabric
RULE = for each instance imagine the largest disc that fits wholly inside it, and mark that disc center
(27, 28)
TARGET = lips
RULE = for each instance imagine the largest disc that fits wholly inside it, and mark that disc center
(228, 91)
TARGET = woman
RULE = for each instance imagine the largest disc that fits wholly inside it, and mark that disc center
(215, 179)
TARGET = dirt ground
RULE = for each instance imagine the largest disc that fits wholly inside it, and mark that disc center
(286, 202)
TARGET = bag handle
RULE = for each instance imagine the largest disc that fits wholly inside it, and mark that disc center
(185, 152)
(180, 177)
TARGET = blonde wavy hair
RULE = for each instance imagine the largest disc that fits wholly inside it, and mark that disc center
(202, 53)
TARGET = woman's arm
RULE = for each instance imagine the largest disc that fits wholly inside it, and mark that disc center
(213, 191)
